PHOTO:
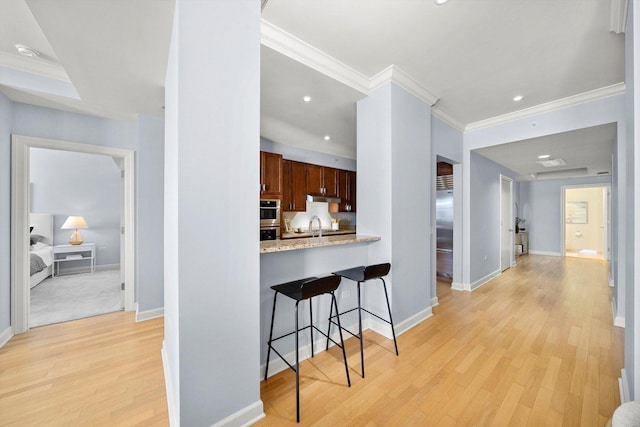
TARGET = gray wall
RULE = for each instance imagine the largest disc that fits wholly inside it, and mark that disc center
(485, 215)
(6, 118)
(150, 206)
(540, 204)
(65, 183)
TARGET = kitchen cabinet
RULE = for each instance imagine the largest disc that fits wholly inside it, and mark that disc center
(347, 191)
(270, 174)
(322, 180)
(294, 194)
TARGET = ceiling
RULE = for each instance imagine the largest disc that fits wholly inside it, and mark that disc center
(469, 58)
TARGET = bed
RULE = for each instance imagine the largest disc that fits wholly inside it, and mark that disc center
(41, 247)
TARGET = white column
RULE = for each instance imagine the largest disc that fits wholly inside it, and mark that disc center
(212, 323)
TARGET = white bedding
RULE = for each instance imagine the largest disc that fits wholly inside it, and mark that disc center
(43, 251)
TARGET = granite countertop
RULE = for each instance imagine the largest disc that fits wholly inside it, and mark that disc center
(292, 235)
(313, 242)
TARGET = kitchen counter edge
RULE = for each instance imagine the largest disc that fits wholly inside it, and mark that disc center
(268, 246)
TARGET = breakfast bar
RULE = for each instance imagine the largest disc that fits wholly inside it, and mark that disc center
(286, 260)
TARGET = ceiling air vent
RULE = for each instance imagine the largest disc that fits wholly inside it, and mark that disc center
(552, 163)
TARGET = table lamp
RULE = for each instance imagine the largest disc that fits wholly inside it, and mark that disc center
(73, 223)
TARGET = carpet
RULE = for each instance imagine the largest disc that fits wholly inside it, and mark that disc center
(65, 298)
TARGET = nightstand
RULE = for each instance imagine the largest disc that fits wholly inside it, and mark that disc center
(66, 253)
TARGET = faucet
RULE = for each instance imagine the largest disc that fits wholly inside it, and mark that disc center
(319, 226)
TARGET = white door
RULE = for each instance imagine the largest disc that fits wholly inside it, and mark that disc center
(506, 222)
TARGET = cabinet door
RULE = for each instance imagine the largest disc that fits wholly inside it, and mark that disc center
(294, 189)
(330, 181)
(314, 179)
(270, 174)
(346, 190)
(298, 187)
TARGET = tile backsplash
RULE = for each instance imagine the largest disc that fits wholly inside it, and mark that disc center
(321, 209)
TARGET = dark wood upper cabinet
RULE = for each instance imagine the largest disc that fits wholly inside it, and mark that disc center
(270, 174)
(294, 197)
(322, 180)
(347, 190)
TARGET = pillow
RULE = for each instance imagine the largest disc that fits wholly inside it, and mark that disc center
(35, 238)
(38, 245)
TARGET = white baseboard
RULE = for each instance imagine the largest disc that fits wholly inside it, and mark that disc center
(434, 302)
(5, 336)
(475, 285)
(611, 281)
(457, 286)
(617, 320)
(245, 417)
(405, 325)
(168, 385)
(623, 384)
(545, 253)
(141, 316)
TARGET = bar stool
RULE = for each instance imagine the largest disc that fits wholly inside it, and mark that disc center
(300, 290)
(362, 274)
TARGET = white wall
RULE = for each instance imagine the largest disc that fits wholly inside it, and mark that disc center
(394, 195)
(65, 183)
(211, 246)
(540, 204)
(298, 154)
(6, 119)
(150, 206)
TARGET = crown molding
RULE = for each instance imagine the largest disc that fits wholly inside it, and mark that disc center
(301, 51)
(447, 119)
(618, 19)
(34, 66)
(394, 74)
(558, 104)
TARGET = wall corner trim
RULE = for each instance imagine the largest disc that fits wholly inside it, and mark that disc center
(623, 384)
(172, 408)
(5, 336)
(245, 417)
(434, 302)
(617, 320)
(457, 286)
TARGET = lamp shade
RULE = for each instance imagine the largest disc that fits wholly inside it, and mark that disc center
(74, 222)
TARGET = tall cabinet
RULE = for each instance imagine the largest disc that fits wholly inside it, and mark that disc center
(294, 195)
(347, 190)
(270, 174)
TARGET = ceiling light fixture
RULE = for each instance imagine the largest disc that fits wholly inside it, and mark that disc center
(307, 98)
(27, 51)
(518, 98)
(327, 137)
(544, 156)
(439, 2)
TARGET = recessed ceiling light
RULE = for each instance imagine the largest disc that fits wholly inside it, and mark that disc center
(439, 2)
(306, 98)
(27, 51)
(544, 156)
(327, 137)
(518, 98)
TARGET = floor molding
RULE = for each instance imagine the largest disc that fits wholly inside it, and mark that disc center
(406, 324)
(245, 417)
(624, 387)
(475, 285)
(434, 302)
(617, 320)
(5, 336)
(168, 385)
(141, 316)
(457, 286)
(545, 253)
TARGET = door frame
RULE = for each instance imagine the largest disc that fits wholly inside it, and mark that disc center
(504, 178)
(606, 210)
(20, 196)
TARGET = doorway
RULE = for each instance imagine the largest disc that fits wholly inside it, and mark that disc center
(506, 222)
(20, 195)
(586, 222)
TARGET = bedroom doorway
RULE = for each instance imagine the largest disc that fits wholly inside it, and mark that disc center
(506, 222)
(20, 295)
(586, 221)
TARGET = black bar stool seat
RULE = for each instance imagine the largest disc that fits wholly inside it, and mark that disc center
(360, 275)
(300, 290)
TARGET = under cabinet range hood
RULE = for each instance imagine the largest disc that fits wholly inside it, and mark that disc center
(326, 199)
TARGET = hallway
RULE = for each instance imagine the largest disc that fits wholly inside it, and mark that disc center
(535, 346)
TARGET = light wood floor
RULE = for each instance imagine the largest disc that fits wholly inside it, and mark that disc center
(533, 347)
(99, 371)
